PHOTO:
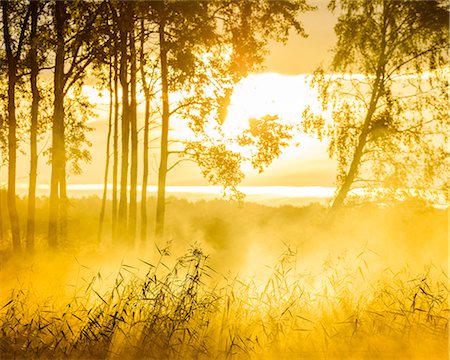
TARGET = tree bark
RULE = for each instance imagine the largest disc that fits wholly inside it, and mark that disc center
(115, 144)
(145, 141)
(31, 213)
(1, 198)
(356, 160)
(12, 125)
(1, 208)
(58, 196)
(108, 145)
(134, 139)
(162, 173)
(123, 202)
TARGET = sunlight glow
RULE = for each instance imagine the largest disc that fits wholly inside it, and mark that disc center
(269, 94)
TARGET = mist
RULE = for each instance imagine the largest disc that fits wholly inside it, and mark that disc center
(224, 179)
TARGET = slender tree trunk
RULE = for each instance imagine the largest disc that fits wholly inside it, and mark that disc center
(1, 195)
(12, 124)
(359, 151)
(162, 173)
(123, 202)
(115, 143)
(64, 201)
(108, 145)
(145, 141)
(144, 219)
(134, 140)
(1, 207)
(351, 174)
(57, 211)
(33, 130)
(377, 88)
(12, 154)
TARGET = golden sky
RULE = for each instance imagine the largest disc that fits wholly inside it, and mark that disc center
(302, 55)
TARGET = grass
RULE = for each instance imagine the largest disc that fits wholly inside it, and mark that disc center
(181, 313)
(339, 293)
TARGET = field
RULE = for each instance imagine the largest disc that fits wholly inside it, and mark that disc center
(244, 282)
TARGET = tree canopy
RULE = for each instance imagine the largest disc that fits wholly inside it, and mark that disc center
(386, 99)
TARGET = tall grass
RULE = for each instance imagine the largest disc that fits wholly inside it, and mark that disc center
(187, 311)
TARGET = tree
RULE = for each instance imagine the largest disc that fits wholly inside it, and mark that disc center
(148, 83)
(76, 48)
(111, 60)
(125, 20)
(189, 30)
(107, 157)
(386, 96)
(122, 19)
(34, 68)
(133, 130)
(181, 27)
(3, 151)
(13, 51)
(115, 140)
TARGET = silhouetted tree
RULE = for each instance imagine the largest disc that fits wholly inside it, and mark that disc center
(133, 128)
(13, 49)
(387, 95)
(122, 18)
(148, 83)
(3, 151)
(76, 48)
(112, 62)
(189, 30)
(108, 150)
(34, 68)
(125, 20)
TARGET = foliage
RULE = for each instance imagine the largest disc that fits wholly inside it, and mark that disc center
(268, 137)
(210, 47)
(219, 165)
(248, 25)
(78, 111)
(386, 125)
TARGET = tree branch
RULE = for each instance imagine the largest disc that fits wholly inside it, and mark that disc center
(413, 58)
(22, 34)
(179, 162)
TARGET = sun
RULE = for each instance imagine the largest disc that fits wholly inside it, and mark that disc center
(257, 95)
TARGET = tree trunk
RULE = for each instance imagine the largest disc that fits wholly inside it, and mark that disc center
(33, 130)
(353, 170)
(134, 140)
(12, 124)
(1, 204)
(377, 88)
(145, 141)
(12, 154)
(58, 196)
(1, 196)
(64, 201)
(108, 143)
(359, 151)
(123, 202)
(162, 173)
(115, 144)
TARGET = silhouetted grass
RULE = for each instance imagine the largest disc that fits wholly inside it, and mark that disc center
(179, 312)
(345, 292)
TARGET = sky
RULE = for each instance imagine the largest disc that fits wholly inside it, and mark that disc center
(279, 89)
(303, 55)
